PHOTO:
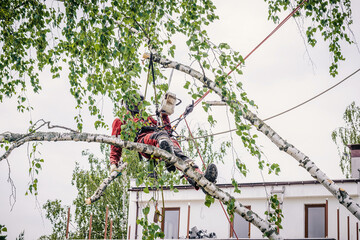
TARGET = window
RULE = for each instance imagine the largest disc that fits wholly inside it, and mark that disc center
(315, 220)
(241, 226)
(170, 224)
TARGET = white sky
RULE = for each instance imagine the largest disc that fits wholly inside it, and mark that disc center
(279, 75)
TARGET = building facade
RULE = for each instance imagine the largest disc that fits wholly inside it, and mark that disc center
(309, 210)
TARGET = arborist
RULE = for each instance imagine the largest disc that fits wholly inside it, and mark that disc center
(152, 134)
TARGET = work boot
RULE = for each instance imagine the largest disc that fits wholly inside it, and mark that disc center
(211, 174)
(166, 145)
(170, 167)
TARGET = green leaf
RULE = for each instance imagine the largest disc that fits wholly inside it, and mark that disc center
(146, 210)
(209, 200)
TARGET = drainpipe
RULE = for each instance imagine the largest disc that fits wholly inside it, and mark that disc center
(326, 218)
(188, 222)
(137, 214)
(338, 223)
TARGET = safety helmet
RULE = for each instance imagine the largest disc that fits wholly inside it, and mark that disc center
(132, 105)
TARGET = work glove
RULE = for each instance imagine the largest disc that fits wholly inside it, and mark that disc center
(189, 108)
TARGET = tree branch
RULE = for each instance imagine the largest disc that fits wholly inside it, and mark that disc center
(283, 145)
(263, 225)
(106, 182)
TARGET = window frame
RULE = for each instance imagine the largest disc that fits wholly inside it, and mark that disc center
(232, 223)
(163, 222)
(307, 206)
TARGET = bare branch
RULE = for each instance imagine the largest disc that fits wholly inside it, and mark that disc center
(11, 148)
(106, 182)
(12, 197)
(19, 141)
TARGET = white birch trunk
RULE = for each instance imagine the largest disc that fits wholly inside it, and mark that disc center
(105, 183)
(263, 225)
(261, 126)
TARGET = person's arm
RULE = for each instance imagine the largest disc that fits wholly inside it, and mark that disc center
(166, 121)
(151, 121)
(115, 152)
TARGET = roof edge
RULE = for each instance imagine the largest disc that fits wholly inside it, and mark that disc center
(255, 184)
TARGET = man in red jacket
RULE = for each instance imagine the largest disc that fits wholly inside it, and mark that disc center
(151, 135)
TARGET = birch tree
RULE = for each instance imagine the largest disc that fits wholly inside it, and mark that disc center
(87, 180)
(102, 43)
(349, 134)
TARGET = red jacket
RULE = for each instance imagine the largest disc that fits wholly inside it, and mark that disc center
(116, 152)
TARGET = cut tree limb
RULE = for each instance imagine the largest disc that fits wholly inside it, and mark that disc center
(105, 183)
(304, 161)
(263, 225)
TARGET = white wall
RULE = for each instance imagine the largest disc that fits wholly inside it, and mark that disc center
(213, 219)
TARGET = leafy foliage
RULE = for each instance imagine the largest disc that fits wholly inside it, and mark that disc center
(209, 200)
(56, 213)
(3, 230)
(330, 18)
(34, 168)
(206, 146)
(86, 182)
(349, 134)
(101, 42)
(116, 198)
(274, 214)
(150, 231)
(21, 236)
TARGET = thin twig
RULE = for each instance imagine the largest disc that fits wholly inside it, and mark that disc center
(13, 188)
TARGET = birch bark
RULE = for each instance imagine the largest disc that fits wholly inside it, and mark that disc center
(263, 225)
(105, 183)
(304, 161)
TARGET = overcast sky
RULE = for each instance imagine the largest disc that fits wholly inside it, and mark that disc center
(278, 76)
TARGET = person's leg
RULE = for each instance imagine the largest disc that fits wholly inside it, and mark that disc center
(161, 140)
(210, 172)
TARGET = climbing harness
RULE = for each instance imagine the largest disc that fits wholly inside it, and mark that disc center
(168, 102)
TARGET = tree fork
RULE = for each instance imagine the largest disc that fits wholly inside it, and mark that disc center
(261, 126)
(263, 225)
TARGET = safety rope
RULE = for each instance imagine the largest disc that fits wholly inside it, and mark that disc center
(147, 83)
(183, 115)
(151, 68)
(195, 143)
(207, 92)
(231, 223)
(288, 110)
(268, 36)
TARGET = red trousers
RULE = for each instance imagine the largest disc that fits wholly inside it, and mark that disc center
(152, 138)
